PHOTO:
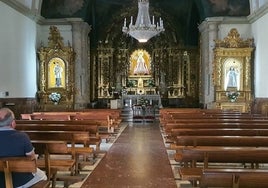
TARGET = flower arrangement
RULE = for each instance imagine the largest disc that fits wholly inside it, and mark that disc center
(232, 96)
(151, 83)
(143, 102)
(55, 97)
(131, 83)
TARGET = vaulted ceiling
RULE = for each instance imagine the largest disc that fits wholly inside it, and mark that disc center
(181, 17)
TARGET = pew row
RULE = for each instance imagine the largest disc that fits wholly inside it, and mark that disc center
(92, 130)
(105, 117)
(218, 149)
(234, 178)
(9, 165)
(102, 132)
(54, 156)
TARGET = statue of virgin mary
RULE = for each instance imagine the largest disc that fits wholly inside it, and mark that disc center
(141, 67)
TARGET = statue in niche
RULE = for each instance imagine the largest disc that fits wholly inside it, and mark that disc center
(58, 74)
(141, 67)
(232, 78)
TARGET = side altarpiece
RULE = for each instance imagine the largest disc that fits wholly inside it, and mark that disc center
(233, 72)
(56, 74)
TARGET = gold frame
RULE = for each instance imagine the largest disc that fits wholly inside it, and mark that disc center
(49, 57)
(233, 53)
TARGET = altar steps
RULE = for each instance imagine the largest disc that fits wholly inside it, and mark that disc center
(127, 114)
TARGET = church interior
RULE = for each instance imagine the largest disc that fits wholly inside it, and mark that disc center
(138, 69)
(100, 63)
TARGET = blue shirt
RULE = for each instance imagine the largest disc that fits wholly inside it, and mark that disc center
(14, 143)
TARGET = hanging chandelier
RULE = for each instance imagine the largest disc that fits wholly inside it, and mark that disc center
(143, 29)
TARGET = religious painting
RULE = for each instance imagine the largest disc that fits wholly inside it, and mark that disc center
(56, 73)
(140, 63)
(226, 7)
(233, 71)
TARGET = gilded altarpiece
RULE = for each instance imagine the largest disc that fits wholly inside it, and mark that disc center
(171, 73)
(56, 74)
(233, 72)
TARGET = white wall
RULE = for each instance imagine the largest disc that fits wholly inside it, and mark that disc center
(17, 53)
(43, 34)
(260, 32)
(243, 29)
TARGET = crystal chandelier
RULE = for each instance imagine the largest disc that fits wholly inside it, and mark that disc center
(143, 29)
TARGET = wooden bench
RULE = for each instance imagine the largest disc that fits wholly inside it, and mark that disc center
(20, 164)
(252, 141)
(234, 178)
(219, 154)
(93, 131)
(70, 137)
(190, 149)
(212, 120)
(106, 117)
(214, 125)
(49, 117)
(55, 156)
(102, 132)
(220, 130)
(171, 137)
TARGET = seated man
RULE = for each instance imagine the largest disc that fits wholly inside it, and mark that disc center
(16, 144)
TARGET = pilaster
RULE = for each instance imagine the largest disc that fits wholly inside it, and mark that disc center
(80, 37)
(209, 32)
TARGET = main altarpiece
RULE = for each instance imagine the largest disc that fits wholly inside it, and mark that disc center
(169, 74)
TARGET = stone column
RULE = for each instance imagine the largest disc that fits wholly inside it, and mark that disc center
(209, 32)
(81, 45)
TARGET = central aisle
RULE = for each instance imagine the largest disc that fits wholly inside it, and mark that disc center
(138, 159)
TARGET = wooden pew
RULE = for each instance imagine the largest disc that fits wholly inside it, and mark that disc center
(240, 129)
(106, 117)
(196, 153)
(219, 132)
(213, 125)
(250, 141)
(55, 156)
(20, 164)
(172, 130)
(94, 137)
(171, 137)
(234, 178)
(50, 117)
(71, 122)
(169, 117)
(70, 137)
(103, 134)
(222, 154)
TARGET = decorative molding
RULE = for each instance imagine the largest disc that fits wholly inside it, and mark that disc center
(30, 13)
(263, 10)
